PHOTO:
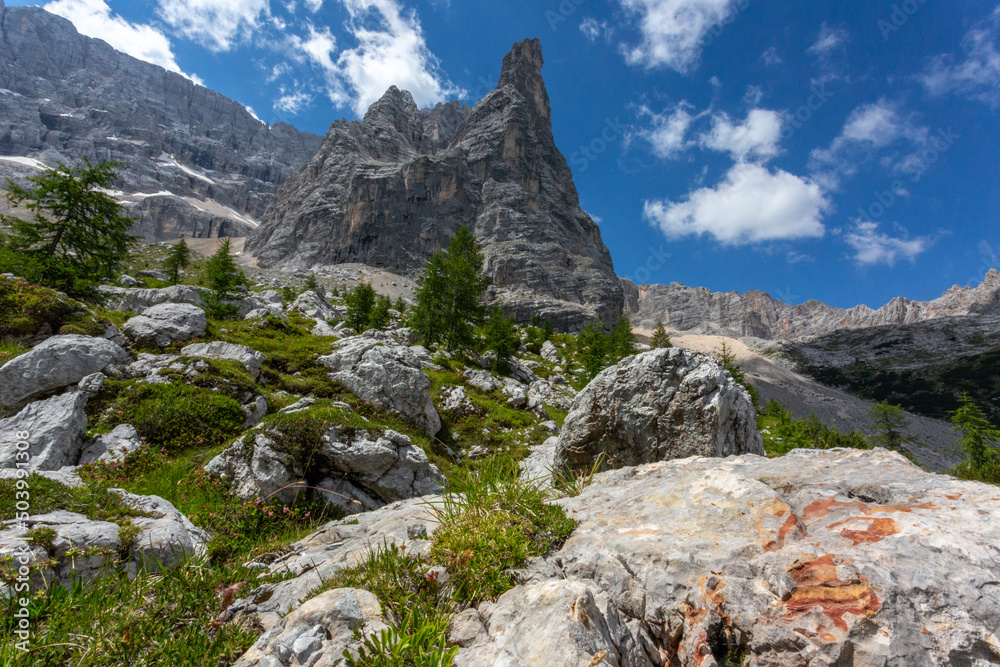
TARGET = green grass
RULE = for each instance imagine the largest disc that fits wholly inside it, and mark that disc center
(783, 433)
(29, 310)
(11, 349)
(492, 521)
(988, 474)
(94, 502)
(173, 416)
(156, 620)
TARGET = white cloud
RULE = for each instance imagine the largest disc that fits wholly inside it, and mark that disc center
(292, 101)
(216, 24)
(391, 51)
(673, 31)
(94, 19)
(253, 113)
(756, 138)
(771, 57)
(751, 205)
(314, 5)
(869, 129)
(592, 29)
(828, 40)
(667, 134)
(978, 76)
(873, 247)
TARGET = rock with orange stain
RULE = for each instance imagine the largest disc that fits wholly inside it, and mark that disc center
(814, 559)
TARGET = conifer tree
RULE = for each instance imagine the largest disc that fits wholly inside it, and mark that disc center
(360, 304)
(979, 436)
(78, 235)
(660, 339)
(176, 261)
(380, 317)
(890, 420)
(501, 339)
(224, 278)
(622, 341)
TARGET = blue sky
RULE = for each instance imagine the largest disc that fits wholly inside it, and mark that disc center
(842, 151)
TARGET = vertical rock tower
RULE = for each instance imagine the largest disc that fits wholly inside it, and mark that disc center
(390, 190)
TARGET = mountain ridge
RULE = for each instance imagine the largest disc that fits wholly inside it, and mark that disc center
(756, 314)
(195, 163)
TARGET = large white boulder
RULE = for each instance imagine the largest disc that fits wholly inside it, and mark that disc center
(132, 300)
(659, 405)
(48, 435)
(249, 357)
(55, 363)
(387, 375)
(167, 323)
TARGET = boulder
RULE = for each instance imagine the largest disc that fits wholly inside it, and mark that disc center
(482, 380)
(55, 363)
(132, 300)
(318, 632)
(128, 281)
(553, 623)
(264, 312)
(817, 558)
(249, 357)
(153, 273)
(165, 540)
(833, 557)
(53, 430)
(315, 306)
(167, 323)
(361, 473)
(113, 446)
(255, 469)
(387, 375)
(659, 405)
(550, 352)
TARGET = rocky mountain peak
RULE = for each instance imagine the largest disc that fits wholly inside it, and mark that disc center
(391, 190)
(522, 69)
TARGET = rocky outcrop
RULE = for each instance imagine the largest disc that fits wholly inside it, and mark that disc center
(167, 323)
(391, 190)
(165, 539)
(815, 558)
(113, 446)
(249, 357)
(195, 163)
(48, 435)
(136, 300)
(358, 471)
(756, 314)
(322, 628)
(55, 363)
(656, 406)
(387, 375)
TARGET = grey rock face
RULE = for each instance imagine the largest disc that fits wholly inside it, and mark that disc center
(249, 357)
(817, 558)
(557, 624)
(756, 314)
(136, 300)
(196, 163)
(362, 473)
(55, 363)
(656, 406)
(167, 323)
(113, 446)
(318, 632)
(387, 375)
(391, 190)
(166, 538)
(54, 429)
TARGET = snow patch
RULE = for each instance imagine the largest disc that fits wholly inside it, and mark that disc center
(26, 161)
(169, 161)
(4, 91)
